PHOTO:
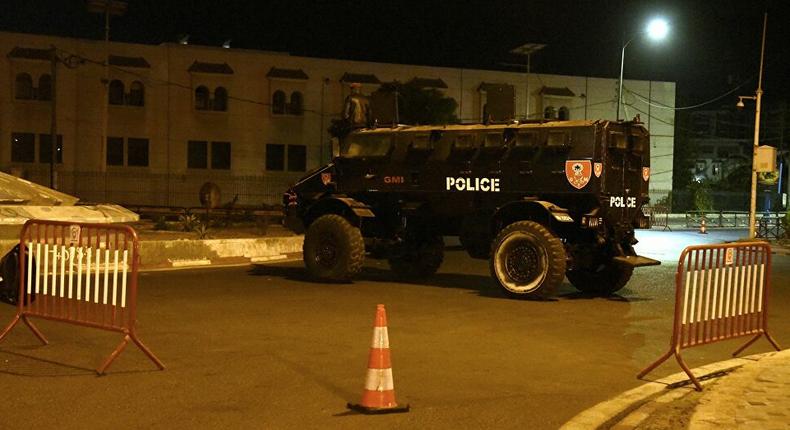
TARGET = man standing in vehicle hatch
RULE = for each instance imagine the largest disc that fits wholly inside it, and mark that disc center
(356, 109)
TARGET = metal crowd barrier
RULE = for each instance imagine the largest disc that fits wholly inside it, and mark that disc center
(771, 226)
(83, 274)
(722, 292)
(659, 217)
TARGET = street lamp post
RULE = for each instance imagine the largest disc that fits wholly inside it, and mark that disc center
(657, 29)
(527, 50)
(757, 97)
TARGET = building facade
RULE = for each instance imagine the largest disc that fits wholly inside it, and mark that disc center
(176, 116)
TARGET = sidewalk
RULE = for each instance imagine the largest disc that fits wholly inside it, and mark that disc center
(178, 250)
(742, 393)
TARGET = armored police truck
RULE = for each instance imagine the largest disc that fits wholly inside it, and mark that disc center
(541, 201)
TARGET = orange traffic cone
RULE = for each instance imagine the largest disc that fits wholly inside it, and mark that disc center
(703, 227)
(379, 394)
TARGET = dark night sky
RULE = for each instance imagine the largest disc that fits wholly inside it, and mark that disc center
(713, 44)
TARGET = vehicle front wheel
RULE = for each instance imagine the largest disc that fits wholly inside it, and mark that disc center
(527, 260)
(333, 249)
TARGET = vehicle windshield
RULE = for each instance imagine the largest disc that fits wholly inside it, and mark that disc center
(366, 145)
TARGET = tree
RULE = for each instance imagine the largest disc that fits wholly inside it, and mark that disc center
(425, 106)
(684, 155)
(417, 105)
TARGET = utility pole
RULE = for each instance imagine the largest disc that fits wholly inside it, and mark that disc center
(107, 8)
(758, 99)
(53, 128)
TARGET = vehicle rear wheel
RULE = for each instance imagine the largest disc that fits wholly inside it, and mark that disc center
(604, 280)
(333, 249)
(527, 260)
(420, 259)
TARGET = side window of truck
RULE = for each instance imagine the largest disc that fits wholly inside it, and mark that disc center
(493, 148)
(419, 149)
(559, 140)
(366, 145)
(463, 148)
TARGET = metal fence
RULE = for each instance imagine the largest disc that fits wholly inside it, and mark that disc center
(162, 189)
(721, 292)
(81, 274)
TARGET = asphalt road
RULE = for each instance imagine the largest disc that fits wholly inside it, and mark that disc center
(267, 348)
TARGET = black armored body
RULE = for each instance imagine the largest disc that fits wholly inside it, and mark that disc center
(540, 201)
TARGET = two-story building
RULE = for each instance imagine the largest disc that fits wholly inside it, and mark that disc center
(154, 123)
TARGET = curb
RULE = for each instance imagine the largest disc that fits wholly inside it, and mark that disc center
(613, 411)
(190, 253)
(193, 253)
(181, 264)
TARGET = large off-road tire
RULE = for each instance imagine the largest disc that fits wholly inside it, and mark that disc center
(604, 280)
(527, 260)
(333, 249)
(419, 260)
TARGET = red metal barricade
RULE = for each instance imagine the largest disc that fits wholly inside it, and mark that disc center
(721, 293)
(84, 274)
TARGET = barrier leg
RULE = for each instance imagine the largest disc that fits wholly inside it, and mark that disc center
(747, 344)
(754, 339)
(772, 341)
(113, 356)
(34, 329)
(655, 364)
(9, 327)
(28, 323)
(147, 352)
(688, 371)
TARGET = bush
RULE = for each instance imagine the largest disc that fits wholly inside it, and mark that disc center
(188, 221)
(160, 223)
(201, 230)
(703, 201)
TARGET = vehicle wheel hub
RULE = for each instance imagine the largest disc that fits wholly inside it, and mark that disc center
(523, 263)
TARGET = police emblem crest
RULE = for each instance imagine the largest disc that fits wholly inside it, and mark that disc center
(597, 169)
(645, 173)
(578, 173)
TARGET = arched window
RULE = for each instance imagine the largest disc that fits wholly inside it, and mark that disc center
(295, 107)
(201, 98)
(137, 94)
(45, 87)
(24, 87)
(563, 114)
(549, 112)
(221, 99)
(278, 102)
(116, 92)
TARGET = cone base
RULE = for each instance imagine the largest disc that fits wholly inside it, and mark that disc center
(372, 411)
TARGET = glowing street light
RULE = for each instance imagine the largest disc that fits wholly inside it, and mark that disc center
(657, 29)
